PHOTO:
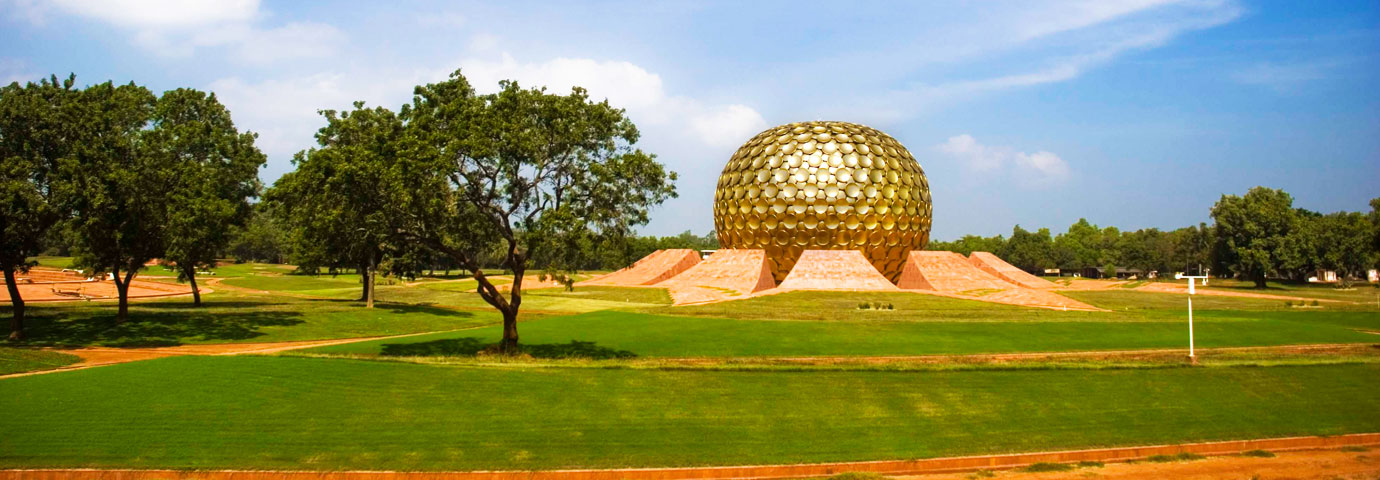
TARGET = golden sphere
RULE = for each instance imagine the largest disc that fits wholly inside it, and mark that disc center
(824, 186)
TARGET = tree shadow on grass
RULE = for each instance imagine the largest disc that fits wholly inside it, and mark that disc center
(469, 347)
(155, 327)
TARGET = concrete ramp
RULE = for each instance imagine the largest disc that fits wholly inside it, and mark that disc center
(835, 270)
(728, 274)
(659, 266)
(946, 272)
(994, 265)
(951, 274)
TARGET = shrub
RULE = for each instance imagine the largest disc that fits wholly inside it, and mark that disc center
(1354, 448)
(858, 476)
(982, 474)
(1089, 463)
(1181, 457)
(1288, 303)
(1258, 453)
(1048, 467)
(1315, 303)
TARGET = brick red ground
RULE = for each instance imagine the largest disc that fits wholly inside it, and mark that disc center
(659, 266)
(835, 270)
(728, 274)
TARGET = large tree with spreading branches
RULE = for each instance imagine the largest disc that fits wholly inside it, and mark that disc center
(36, 130)
(112, 185)
(214, 171)
(538, 172)
(340, 204)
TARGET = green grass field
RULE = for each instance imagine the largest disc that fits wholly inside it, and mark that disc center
(17, 360)
(299, 413)
(620, 378)
(649, 335)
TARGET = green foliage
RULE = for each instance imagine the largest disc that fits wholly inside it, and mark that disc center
(1252, 232)
(1048, 467)
(1179, 457)
(546, 175)
(859, 476)
(261, 239)
(214, 169)
(1258, 453)
(36, 132)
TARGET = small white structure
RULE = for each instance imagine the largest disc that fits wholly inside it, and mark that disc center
(1324, 276)
(1180, 276)
(1373, 275)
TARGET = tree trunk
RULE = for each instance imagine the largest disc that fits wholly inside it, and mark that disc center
(196, 292)
(369, 288)
(509, 345)
(1259, 280)
(122, 289)
(16, 321)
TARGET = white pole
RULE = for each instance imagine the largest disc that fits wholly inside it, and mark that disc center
(1190, 325)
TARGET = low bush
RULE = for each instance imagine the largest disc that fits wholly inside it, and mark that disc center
(1258, 453)
(858, 476)
(1048, 467)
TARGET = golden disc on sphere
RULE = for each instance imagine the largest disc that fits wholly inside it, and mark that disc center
(824, 185)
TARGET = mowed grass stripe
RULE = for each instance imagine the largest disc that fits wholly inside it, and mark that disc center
(305, 413)
(648, 335)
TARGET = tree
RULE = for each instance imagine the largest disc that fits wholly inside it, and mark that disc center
(35, 132)
(1344, 244)
(1031, 251)
(113, 186)
(1251, 231)
(337, 203)
(526, 167)
(214, 169)
(260, 239)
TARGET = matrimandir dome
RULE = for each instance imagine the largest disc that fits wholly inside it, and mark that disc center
(824, 186)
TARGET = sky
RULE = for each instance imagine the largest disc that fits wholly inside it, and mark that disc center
(1131, 113)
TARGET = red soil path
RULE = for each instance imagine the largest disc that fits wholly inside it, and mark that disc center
(728, 274)
(45, 285)
(1359, 464)
(845, 270)
(659, 266)
(994, 265)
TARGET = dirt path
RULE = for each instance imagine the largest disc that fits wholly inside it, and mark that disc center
(1310, 457)
(1313, 464)
(102, 356)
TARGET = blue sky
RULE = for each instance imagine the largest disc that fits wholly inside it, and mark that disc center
(1136, 113)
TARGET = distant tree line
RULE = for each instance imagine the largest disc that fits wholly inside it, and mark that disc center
(118, 176)
(1256, 236)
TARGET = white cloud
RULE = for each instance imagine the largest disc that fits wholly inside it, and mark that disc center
(627, 86)
(727, 126)
(1049, 45)
(178, 28)
(162, 13)
(1038, 168)
(980, 157)
(1046, 165)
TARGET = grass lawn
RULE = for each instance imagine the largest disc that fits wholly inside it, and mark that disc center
(652, 335)
(303, 413)
(235, 317)
(17, 360)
